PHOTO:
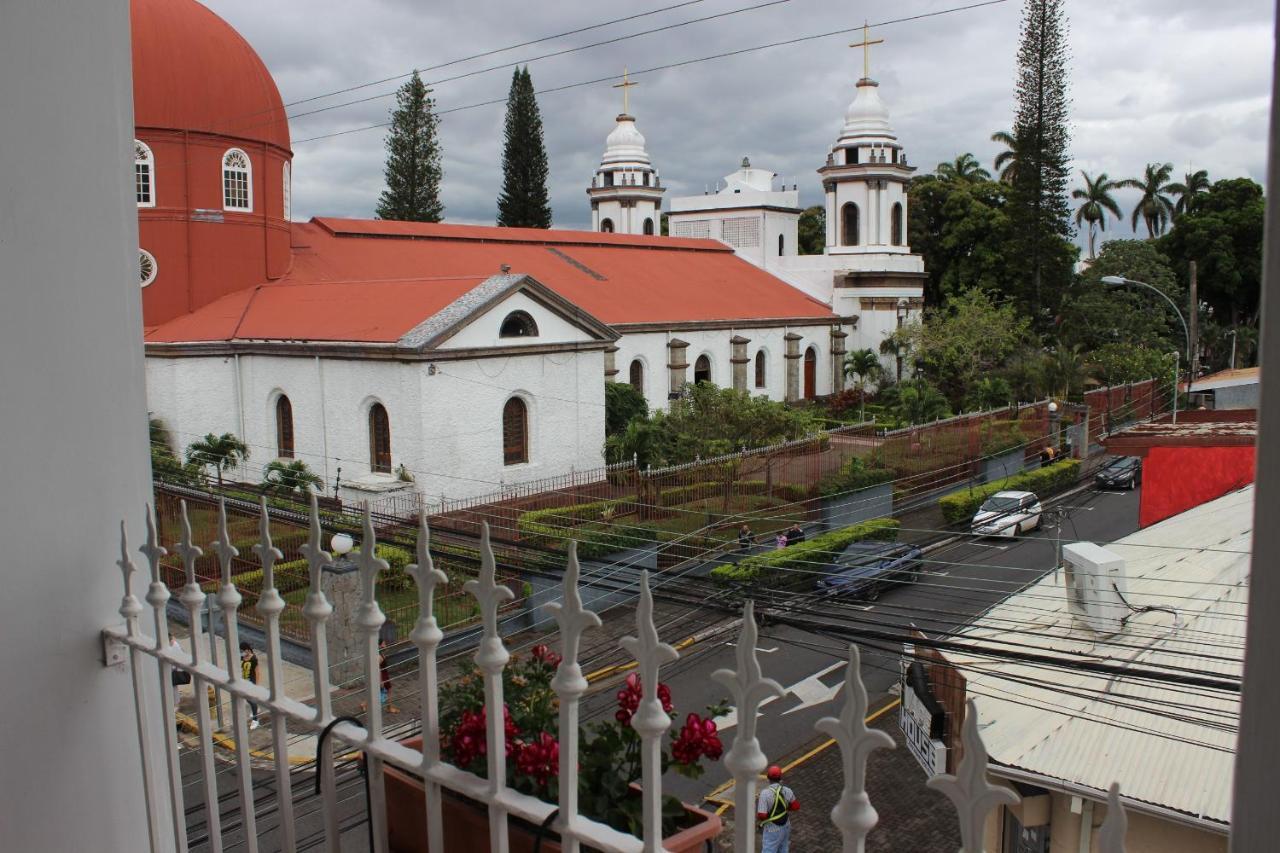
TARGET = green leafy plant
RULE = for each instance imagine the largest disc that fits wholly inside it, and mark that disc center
(292, 477)
(219, 452)
(959, 507)
(789, 566)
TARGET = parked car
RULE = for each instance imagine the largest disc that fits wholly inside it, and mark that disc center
(1008, 514)
(1124, 472)
(864, 569)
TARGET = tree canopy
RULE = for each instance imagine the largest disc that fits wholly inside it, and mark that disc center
(1094, 315)
(812, 230)
(622, 403)
(962, 229)
(524, 201)
(413, 171)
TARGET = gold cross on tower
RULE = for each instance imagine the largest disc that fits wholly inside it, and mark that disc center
(865, 44)
(624, 86)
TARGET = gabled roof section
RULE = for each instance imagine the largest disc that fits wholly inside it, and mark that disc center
(392, 229)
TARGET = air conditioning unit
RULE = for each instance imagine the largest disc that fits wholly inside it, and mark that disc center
(1095, 582)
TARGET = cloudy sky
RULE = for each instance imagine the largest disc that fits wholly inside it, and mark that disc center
(1182, 81)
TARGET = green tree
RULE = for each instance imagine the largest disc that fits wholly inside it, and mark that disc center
(1066, 371)
(290, 477)
(1118, 363)
(962, 229)
(865, 365)
(964, 168)
(1188, 191)
(1223, 235)
(707, 421)
(1094, 315)
(967, 339)
(1154, 207)
(165, 466)
(989, 392)
(812, 230)
(413, 170)
(622, 403)
(1096, 202)
(524, 201)
(220, 452)
(1043, 256)
(1006, 162)
(915, 401)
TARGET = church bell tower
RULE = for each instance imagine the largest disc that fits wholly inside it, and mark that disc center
(625, 192)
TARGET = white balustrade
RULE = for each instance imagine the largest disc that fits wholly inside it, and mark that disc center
(745, 760)
(970, 790)
(853, 814)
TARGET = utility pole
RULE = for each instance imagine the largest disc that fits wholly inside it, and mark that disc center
(1194, 316)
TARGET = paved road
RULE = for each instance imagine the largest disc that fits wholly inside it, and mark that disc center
(963, 580)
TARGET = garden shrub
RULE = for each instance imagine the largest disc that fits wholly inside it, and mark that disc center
(776, 567)
(959, 507)
(854, 475)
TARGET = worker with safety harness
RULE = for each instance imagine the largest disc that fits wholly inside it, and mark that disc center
(773, 809)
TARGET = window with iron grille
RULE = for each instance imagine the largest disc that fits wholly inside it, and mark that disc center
(741, 232)
(284, 428)
(379, 440)
(691, 228)
(237, 186)
(515, 432)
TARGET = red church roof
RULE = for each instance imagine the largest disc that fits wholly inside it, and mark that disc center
(193, 71)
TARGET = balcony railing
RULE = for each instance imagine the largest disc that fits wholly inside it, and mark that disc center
(150, 656)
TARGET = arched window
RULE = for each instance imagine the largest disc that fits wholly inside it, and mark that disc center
(379, 440)
(702, 370)
(606, 226)
(237, 181)
(515, 432)
(284, 427)
(648, 226)
(810, 373)
(895, 224)
(144, 174)
(518, 324)
(760, 369)
(849, 224)
(286, 189)
(637, 375)
(781, 244)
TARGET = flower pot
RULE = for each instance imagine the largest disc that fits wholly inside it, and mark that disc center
(466, 821)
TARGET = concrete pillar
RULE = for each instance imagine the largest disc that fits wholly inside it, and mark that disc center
(793, 356)
(341, 585)
(610, 365)
(677, 365)
(738, 359)
(838, 337)
(74, 414)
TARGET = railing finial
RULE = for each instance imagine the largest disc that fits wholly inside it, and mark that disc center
(969, 788)
(1111, 835)
(222, 546)
(267, 553)
(130, 606)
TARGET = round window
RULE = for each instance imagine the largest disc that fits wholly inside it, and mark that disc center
(147, 266)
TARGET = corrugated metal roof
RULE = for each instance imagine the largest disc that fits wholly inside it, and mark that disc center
(1168, 745)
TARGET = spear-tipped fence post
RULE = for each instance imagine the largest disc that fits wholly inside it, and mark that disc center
(427, 636)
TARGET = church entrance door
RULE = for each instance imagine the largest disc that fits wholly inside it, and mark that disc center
(810, 373)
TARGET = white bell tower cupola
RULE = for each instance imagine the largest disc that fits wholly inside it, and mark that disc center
(626, 190)
(865, 177)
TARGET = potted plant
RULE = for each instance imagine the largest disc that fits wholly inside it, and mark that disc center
(608, 762)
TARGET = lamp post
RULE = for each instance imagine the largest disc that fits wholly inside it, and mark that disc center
(1055, 418)
(903, 311)
(1121, 281)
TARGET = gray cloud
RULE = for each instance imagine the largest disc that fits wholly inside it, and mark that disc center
(1152, 80)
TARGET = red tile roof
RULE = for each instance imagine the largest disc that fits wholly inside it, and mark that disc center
(374, 280)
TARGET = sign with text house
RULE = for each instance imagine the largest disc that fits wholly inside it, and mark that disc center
(922, 719)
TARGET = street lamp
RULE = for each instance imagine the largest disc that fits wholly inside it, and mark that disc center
(1121, 281)
(1054, 420)
(904, 309)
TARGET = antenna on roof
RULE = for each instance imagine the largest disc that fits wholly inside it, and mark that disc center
(506, 268)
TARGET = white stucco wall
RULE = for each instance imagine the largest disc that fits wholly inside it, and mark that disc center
(483, 330)
(446, 426)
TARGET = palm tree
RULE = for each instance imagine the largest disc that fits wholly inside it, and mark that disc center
(964, 168)
(1006, 163)
(1097, 201)
(865, 365)
(916, 401)
(1065, 370)
(289, 477)
(1192, 185)
(1154, 207)
(223, 452)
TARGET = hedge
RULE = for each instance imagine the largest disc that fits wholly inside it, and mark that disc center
(775, 567)
(959, 507)
(853, 476)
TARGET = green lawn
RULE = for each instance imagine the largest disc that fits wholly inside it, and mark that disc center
(453, 608)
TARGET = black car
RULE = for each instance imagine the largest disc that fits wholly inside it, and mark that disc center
(864, 569)
(1124, 472)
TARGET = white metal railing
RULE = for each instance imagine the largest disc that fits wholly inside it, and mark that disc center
(854, 816)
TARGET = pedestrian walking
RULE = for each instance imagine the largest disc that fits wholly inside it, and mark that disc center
(249, 671)
(773, 811)
(744, 538)
(780, 541)
(795, 535)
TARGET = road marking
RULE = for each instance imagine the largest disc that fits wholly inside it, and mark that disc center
(767, 651)
(812, 692)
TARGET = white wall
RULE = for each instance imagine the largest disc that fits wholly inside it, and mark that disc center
(75, 456)
(483, 330)
(446, 427)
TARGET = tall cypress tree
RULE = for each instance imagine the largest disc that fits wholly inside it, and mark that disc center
(524, 202)
(413, 170)
(1039, 209)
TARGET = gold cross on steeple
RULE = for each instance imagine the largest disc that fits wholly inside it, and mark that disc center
(624, 86)
(865, 44)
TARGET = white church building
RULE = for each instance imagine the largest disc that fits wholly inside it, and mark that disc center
(470, 358)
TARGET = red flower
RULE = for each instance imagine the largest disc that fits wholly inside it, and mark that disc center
(471, 741)
(630, 695)
(540, 758)
(697, 738)
(543, 655)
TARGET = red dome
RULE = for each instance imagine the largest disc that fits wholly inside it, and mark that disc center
(192, 71)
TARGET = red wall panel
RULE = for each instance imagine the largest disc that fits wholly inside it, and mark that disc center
(1175, 479)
